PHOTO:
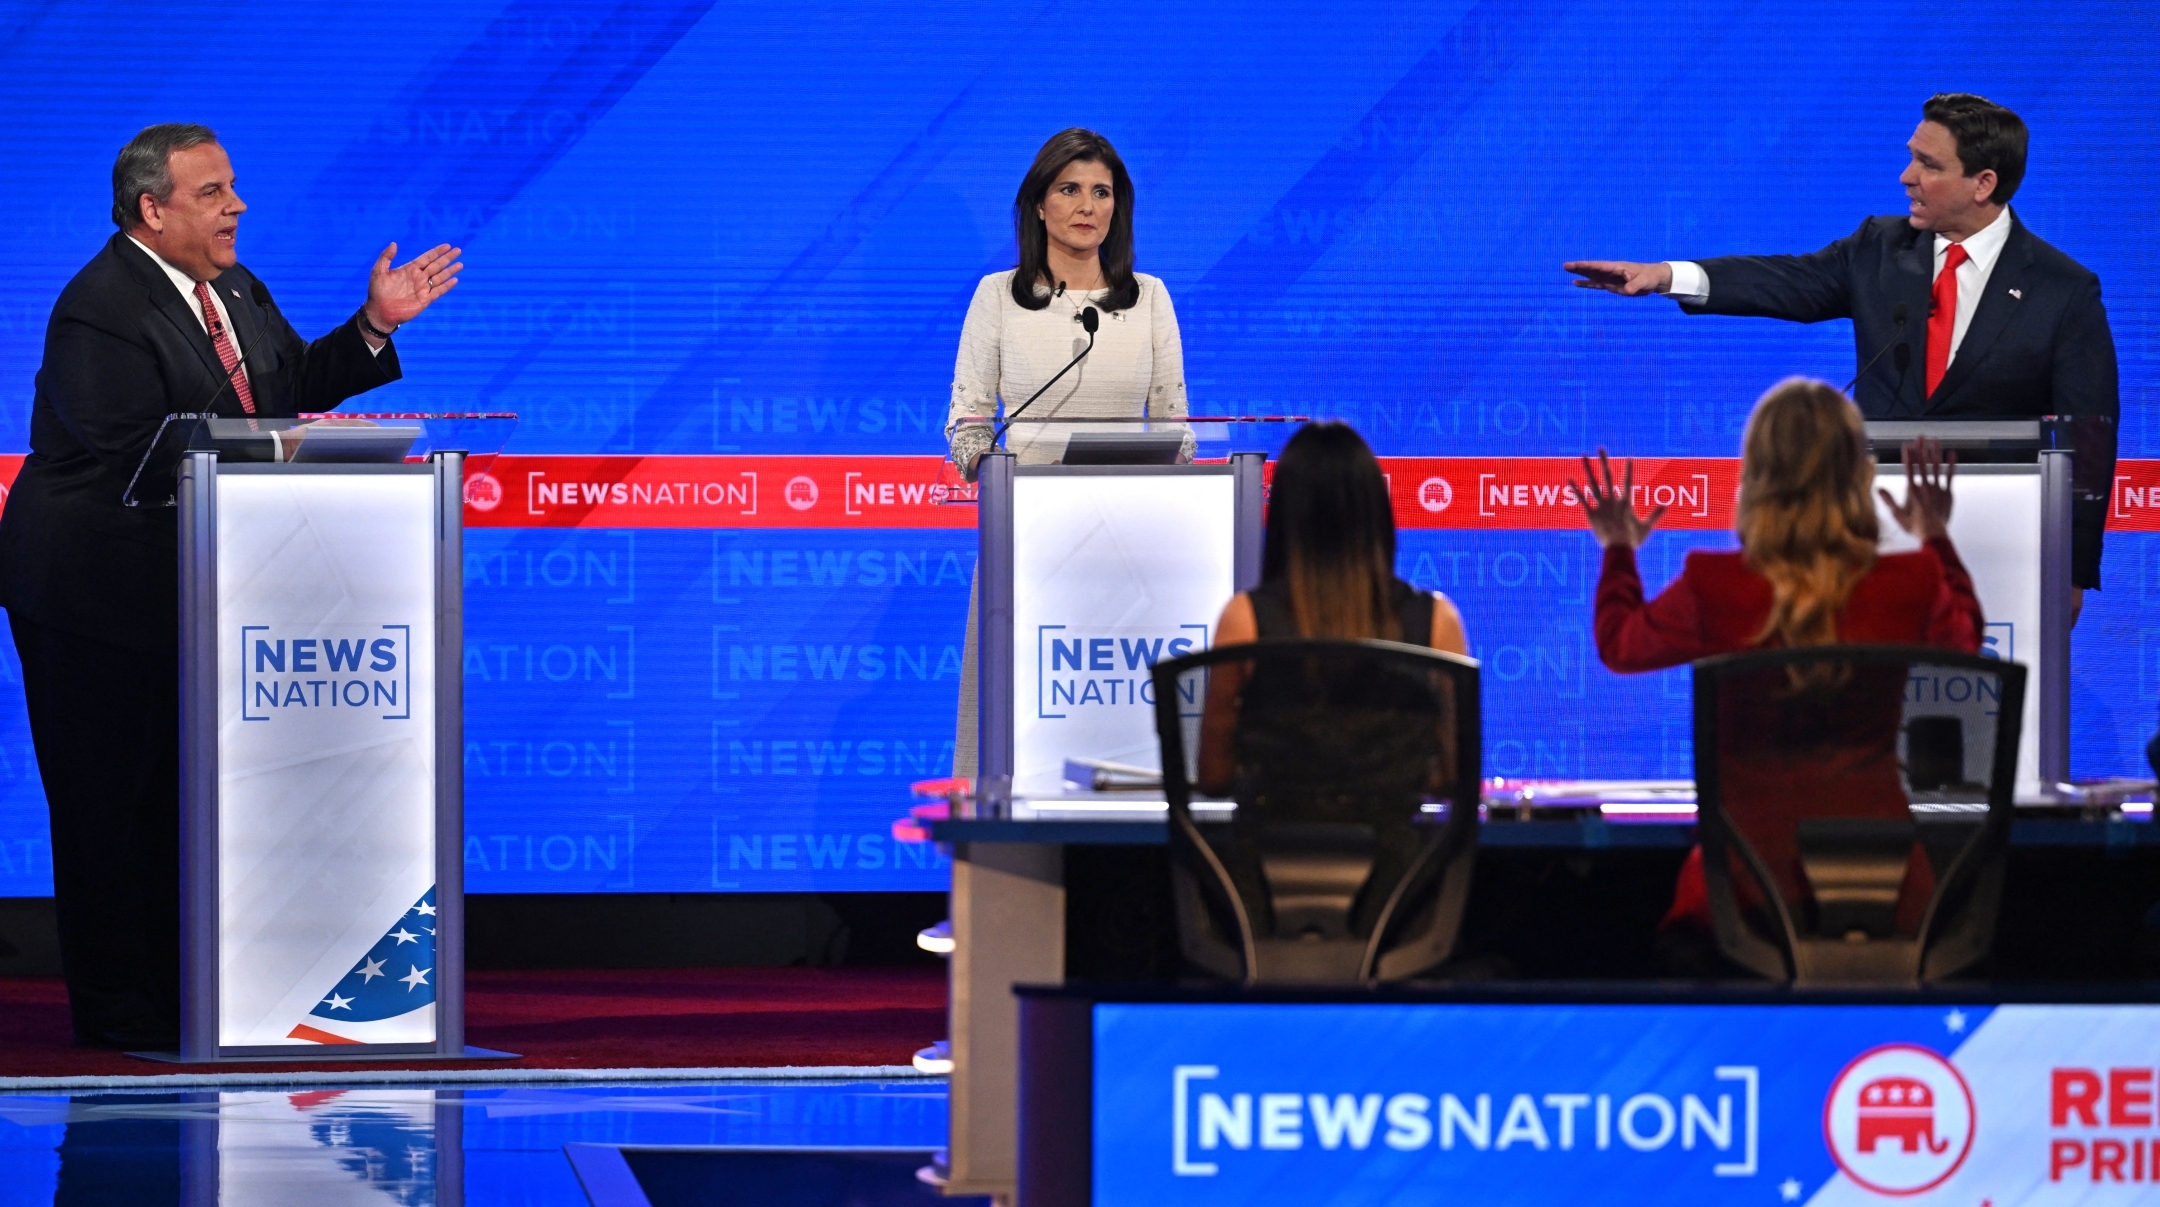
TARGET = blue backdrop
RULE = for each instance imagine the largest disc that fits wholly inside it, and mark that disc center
(694, 229)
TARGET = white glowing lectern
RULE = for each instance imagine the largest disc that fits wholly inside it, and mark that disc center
(322, 818)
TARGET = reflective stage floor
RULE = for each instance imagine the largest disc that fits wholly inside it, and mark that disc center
(534, 1145)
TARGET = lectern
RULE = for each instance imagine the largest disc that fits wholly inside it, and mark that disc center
(321, 743)
(2015, 487)
(1089, 573)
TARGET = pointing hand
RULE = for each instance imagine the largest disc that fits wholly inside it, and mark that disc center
(1623, 277)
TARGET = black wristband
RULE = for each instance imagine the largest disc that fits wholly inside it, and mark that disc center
(371, 329)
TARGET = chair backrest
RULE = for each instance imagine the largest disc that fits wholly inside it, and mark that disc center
(1333, 869)
(1810, 768)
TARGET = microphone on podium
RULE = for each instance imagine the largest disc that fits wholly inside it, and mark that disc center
(1088, 319)
(1904, 350)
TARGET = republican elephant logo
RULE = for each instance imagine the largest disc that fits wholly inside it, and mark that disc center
(1899, 1120)
(1900, 1109)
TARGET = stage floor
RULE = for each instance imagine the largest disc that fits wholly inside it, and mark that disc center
(630, 1144)
(586, 1021)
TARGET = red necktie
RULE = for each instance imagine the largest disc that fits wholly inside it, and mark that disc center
(1942, 317)
(229, 356)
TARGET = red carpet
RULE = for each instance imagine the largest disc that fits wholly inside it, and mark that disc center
(593, 1019)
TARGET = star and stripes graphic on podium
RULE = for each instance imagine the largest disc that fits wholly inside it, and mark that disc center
(378, 1001)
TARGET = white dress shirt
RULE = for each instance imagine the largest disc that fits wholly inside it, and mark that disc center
(186, 285)
(1691, 285)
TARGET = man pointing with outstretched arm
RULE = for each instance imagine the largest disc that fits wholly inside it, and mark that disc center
(1996, 324)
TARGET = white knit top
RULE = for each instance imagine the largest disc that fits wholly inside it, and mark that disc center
(1007, 351)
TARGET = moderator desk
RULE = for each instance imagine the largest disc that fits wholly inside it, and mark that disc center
(1074, 887)
(1532, 1093)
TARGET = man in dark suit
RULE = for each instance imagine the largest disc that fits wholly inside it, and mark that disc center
(1993, 322)
(163, 320)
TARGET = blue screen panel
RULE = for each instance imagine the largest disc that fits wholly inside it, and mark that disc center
(1517, 1103)
(693, 229)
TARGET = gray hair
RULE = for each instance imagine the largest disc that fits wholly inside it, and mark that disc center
(144, 166)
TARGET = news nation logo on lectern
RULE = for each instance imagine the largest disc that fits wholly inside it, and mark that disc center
(1079, 669)
(361, 669)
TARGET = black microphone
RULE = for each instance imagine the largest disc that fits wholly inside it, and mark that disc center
(1897, 316)
(227, 384)
(1088, 319)
(262, 300)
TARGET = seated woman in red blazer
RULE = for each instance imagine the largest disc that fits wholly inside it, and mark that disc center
(1807, 573)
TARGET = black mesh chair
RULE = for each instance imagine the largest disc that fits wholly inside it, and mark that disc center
(1333, 869)
(1810, 767)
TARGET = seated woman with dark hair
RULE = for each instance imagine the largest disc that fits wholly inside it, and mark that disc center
(1327, 570)
(1807, 573)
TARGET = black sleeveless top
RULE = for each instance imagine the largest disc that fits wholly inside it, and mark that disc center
(1276, 620)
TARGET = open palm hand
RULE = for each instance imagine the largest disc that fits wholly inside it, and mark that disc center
(398, 295)
(1609, 506)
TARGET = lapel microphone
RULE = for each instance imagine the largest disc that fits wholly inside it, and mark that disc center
(261, 294)
(1904, 350)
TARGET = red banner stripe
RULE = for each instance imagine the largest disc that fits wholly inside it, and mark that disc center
(1500, 493)
(2136, 503)
(1459, 493)
(717, 492)
(1514, 493)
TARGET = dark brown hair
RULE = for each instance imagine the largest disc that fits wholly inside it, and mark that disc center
(1331, 535)
(1064, 149)
(1988, 136)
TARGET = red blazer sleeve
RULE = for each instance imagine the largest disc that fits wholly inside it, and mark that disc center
(1636, 636)
(1955, 622)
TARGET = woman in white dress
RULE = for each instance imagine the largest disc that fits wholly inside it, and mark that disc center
(1073, 219)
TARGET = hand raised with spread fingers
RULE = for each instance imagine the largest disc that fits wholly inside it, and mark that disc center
(398, 295)
(1610, 507)
(1928, 472)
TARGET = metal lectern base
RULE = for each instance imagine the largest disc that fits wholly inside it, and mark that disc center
(320, 1055)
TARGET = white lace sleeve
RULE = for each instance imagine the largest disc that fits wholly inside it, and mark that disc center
(1166, 385)
(976, 373)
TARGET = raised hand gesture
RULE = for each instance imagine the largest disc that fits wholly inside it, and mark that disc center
(398, 295)
(1608, 507)
(1623, 277)
(1926, 510)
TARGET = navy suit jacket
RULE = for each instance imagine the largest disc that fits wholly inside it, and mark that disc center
(122, 351)
(2039, 342)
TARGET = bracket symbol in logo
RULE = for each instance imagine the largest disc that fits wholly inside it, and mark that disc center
(1180, 1077)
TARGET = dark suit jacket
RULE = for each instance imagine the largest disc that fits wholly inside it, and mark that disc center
(122, 351)
(2039, 342)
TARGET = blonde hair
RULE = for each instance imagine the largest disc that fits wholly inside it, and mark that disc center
(1806, 517)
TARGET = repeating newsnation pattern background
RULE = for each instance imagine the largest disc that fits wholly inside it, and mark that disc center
(753, 230)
